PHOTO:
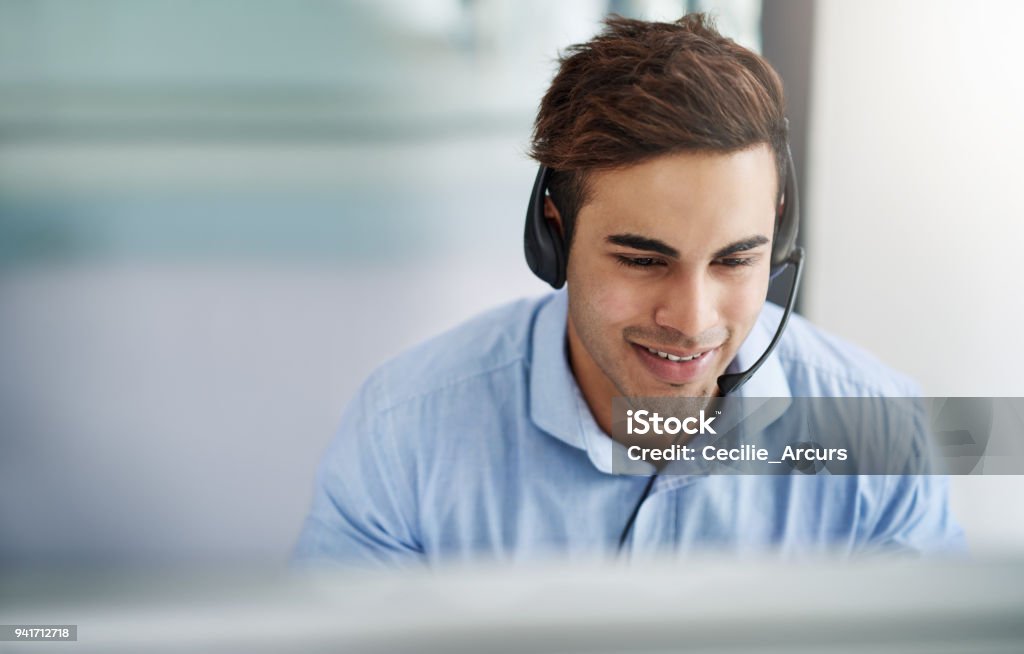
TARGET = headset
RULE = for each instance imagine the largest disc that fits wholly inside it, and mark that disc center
(547, 255)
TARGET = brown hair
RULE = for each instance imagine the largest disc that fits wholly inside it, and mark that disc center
(642, 89)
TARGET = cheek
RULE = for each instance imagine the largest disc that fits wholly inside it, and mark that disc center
(613, 300)
(742, 303)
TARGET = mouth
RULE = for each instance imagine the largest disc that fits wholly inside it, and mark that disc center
(676, 366)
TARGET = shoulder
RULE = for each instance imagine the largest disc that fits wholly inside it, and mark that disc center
(819, 363)
(495, 342)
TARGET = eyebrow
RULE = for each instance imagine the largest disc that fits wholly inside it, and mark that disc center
(741, 246)
(643, 243)
(638, 242)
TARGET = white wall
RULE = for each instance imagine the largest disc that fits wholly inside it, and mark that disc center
(915, 205)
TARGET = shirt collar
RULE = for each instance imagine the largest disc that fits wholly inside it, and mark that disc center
(556, 402)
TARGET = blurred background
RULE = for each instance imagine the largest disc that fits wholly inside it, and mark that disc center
(216, 218)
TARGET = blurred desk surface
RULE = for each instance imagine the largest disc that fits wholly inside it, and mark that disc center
(697, 605)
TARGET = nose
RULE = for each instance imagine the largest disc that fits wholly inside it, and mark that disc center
(688, 304)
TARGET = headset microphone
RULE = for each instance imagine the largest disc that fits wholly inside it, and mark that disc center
(729, 383)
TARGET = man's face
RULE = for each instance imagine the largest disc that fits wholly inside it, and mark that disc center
(670, 255)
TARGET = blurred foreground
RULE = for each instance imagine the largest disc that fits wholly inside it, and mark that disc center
(889, 605)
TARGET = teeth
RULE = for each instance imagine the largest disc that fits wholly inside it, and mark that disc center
(671, 357)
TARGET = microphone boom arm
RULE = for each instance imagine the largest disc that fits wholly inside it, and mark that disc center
(729, 383)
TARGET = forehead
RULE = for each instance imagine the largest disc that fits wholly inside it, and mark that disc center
(686, 195)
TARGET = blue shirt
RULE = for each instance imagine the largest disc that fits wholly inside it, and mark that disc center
(478, 444)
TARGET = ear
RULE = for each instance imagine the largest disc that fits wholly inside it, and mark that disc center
(551, 213)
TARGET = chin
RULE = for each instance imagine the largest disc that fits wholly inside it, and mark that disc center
(690, 389)
(693, 391)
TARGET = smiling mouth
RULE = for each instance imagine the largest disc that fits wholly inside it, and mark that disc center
(674, 357)
(679, 367)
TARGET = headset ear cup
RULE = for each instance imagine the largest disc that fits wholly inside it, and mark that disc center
(543, 243)
(788, 223)
(557, 253)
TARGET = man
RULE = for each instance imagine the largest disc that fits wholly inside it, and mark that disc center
(667, 150)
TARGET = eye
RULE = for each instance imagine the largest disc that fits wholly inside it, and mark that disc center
(735, 262)
(638, 262)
